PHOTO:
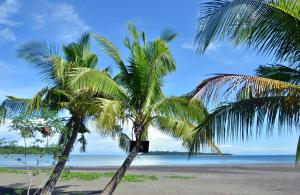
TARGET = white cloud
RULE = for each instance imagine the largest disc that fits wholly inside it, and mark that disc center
(188, 46)
(67, 21)
(7, 9)
(40, 20)
(214, 46)
(7, 35)
(163, 142)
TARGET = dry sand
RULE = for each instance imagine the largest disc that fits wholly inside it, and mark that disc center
(271, 179)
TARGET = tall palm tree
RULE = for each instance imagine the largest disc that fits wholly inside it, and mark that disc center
(141, 99)
(272, 27)
(58, 96)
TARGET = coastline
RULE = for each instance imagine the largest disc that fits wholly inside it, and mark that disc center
(175, 168)
(265, 179)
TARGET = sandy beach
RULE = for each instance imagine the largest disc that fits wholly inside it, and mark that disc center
(271, 179)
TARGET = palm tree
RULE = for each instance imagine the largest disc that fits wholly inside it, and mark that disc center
(58, 96)
(141, 99)
(272, 27)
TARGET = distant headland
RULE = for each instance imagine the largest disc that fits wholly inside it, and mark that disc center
(181, 153)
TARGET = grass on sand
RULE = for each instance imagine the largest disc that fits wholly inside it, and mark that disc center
(179, 177)
(68, 175)
(88, 176)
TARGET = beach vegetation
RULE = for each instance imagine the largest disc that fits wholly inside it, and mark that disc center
(68, 175)
(179, 177)
(29, 150)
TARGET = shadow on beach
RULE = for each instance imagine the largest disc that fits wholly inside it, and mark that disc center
(58, 190)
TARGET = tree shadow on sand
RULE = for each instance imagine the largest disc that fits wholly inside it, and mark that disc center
(13, 190)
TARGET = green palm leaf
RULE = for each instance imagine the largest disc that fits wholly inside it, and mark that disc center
(40, 54)
(95, 80)
(270, 26)
(174, 128)
(181, 108)
(112, 51)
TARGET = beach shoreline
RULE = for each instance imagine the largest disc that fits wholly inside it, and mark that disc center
(269, 179)
(176, 168)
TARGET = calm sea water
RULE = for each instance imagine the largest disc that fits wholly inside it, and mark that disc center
(15, 160)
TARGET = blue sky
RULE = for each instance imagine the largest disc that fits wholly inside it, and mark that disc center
(60, 22)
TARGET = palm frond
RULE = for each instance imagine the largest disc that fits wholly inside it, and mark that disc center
(36, 102)
(39, 54)
(127, 43)
(109, 112)
(148, 67)
(269, 26)
(144, 38)
(201, 139)
(181, 109)
(175, 128)
(226, 84)
(214, 147)
(14, 106)
(82, 140)
(95, 81)
(112, 51)
(248, 117)
(168, 35)
(133, 31)
(279, 72)
(124, 142)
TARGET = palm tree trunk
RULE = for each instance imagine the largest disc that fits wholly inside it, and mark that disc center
(114, 182)
(297, 161)
(50, 184)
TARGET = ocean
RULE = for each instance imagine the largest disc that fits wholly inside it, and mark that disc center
(17, 160)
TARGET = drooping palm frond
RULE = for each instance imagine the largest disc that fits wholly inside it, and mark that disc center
(180, 108)
(124, 142)
(36, 102)
(237, 120)
(82, 140)
(40, 54)
(226, 84)
(243, 119)
(201, 139)
(95, 80)
(14, 106)
(279, 72)
(175, 128)
(270, 26)
(110, 111)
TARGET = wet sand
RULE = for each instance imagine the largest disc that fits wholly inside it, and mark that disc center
(256, 179)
